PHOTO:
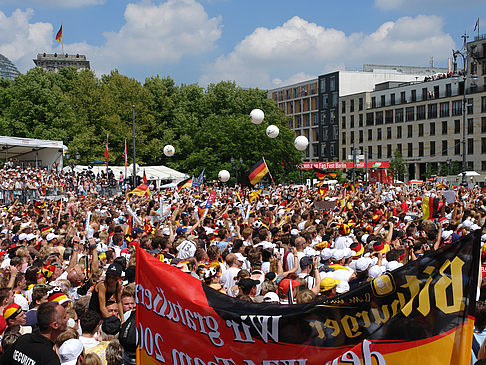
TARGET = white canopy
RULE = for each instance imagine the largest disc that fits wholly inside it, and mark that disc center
(157, 173)
(470, 173)
(37, 152)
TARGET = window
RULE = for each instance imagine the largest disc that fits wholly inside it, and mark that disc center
(483, 163)
(360, 120)
(323, 89)
(444, 148)
(351, 105)
(325, 101)
(432, 129)
(409, 113)
(483, 104)
(470, 146)
(424, 93)
(409, 131)
(360, 104)
(332, 149)
(388, 150)
(399, 132)
(483, 145)
(343, 123)
(389, 116)
(291, 124)
(291, 107)
(421, 149)
(313, 91)
(315, 150)
(382, 100)
(403, 99)
(306, 120)
(379, 134)
(388, 133)
(343, 138)
(448, 90)
(444, 109)
(399, 115)
(483, 125)
(343, 153)
(420, 112)
(457, 147)
(399, 148)
(470, 126)
(332, 116)
(457, 107)
(296, 93)
(370, 134)
(287, 94)
(335, 99)
(470, 165)
(298, 121)
(315, 119)
(369, 118)
(325, 133)
(360, 136)
(378, 153)
(351, 122)
(379, 118)
(444, 127)
(414, 95)
(343, 106)
(410, 150)
(421, 130)
(373, 102)
(470, 106)
(432, 111)
(332, 85)
(392, 99)
(435, 93)
(457, 126)
(370, 151)
(432, 148)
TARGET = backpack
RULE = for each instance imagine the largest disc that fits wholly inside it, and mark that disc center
(128, 334)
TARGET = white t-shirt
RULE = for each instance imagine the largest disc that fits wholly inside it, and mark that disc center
(290, 261)
(228, 277)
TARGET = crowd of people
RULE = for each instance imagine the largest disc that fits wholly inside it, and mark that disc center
(67, 266)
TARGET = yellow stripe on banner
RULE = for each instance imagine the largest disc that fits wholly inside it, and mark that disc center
(259, 176)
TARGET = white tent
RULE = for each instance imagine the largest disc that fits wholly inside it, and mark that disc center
(36, 152)
(154, 173)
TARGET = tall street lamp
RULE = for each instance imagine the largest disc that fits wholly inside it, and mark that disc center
(236, 166)
(134, 153)
(465, 54)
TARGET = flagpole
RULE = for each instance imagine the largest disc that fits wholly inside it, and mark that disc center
(126, 158)
(271, 177)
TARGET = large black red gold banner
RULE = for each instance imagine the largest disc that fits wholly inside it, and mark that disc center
(421, 313)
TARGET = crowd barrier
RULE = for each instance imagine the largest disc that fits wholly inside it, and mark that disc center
(24, 196)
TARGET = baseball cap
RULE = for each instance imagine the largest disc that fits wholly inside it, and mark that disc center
(271, 297)
(376, 271)
(51, 236)
(11, 311)
(328, 283)
(342, 287)
(240, 257)
(305, 261)
(284, 285)
(338, 254)
(115, 270)
(57, 295)
(362, 264)
(326, 254)
(70, 351)
(247, 283)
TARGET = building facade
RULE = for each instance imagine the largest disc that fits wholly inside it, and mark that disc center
(53, 62)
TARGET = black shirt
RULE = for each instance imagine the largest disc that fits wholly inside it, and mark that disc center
(31, 349)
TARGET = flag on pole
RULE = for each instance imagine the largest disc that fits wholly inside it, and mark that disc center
(106, 153)
(184, 184)
(125, 154)
(476, 26)
(430, 207)
(144, 177)
(258, 171)
(141, 190)
(321, 174)
(59, 35)
(199, 180)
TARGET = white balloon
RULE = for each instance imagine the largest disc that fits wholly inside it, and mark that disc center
(223, 175)
(256, 116)
(301, 143)
(169, 150)
(272, 131)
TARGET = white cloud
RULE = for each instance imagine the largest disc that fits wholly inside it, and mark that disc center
(300, 47)
(20, 41)
(55, 3)
(151, 35)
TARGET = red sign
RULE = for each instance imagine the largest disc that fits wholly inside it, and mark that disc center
(343, 165)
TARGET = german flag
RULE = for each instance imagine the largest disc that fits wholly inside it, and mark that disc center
(322, 191)
(258, 171)
(144, 179)
(184, 184)
(38, 206)
(321, 174)
(141, 190)
(59, 35)
(441, 186)
(332, 175)
(430, 207)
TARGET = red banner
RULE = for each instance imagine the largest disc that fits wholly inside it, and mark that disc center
(343, 165)
(420, 313)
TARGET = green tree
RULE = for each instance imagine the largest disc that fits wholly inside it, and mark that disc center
(397, 166)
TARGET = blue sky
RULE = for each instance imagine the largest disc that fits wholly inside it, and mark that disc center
(265, 43)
